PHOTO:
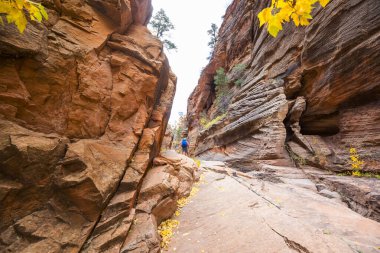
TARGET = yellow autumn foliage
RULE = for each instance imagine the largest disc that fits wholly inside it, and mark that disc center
(14, 12)
(282, 11)
(165, 230)
(356, 163)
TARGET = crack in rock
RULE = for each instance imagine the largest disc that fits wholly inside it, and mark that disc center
(290, 243)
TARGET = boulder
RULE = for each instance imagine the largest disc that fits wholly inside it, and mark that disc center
(170, 179)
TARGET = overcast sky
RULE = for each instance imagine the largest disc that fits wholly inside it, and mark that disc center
(191, 19)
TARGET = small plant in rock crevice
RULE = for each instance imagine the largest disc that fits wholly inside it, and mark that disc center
(356, 163)
(298, 160)
(222, 82)
(220, 78)
(208, 124)
(357, 167)
(238, 70)
(221, 87)
(204, 119)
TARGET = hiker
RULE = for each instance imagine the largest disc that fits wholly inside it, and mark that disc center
(184, 145)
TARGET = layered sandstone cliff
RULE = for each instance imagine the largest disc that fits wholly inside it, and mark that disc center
(307, 96)
(84, 103)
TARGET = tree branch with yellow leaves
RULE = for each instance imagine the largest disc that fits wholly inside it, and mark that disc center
(282, 11)
(15, 11)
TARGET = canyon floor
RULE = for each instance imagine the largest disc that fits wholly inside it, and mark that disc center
(245, 212)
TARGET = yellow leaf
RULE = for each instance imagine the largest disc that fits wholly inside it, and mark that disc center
(264, 16)
(14, 11)
(35, 13)
(282, 4)
(296, 19)
(273, 30)
(308, 16)
(20, 4)
(261, 18)
(16, 16)
(284, 13)
(304, 21)
(21, 23)
(1, 21)
(324, 2)
(43, 11)
(275, 21)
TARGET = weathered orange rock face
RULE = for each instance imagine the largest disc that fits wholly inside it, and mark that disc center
(314, 91)
(84, 103)
(167, 142)
(306, 97)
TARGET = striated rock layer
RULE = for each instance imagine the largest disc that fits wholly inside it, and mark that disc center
(84, 103)
(322, 80)
(307, 96)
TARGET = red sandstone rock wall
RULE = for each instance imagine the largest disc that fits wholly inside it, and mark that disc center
(84, 103)
(314, 90)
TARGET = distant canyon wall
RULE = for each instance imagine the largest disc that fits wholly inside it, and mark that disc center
(85, 99)
(307, 96)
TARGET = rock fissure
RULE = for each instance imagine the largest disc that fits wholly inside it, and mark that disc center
(291, 244)
(91, 233)
(308, 221)
(250, 187)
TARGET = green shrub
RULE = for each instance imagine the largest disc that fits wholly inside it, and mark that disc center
(220, 78)
(238, 70)
(238, 82)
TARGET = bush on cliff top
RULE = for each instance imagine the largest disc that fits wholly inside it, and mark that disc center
(161, 24)
(213, 33)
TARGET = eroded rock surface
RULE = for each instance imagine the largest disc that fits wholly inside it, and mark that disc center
(242, 212)
(332, 65)
(305, 97)
(84, 103)
(169, 180)
(167, 143)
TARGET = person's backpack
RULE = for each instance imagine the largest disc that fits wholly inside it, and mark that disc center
(184, 143)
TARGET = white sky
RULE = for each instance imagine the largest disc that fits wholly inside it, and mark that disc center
(191, 19)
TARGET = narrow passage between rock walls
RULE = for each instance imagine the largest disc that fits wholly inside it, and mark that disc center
(237, 212)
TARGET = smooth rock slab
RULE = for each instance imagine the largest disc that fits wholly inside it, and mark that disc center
(225, 216)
